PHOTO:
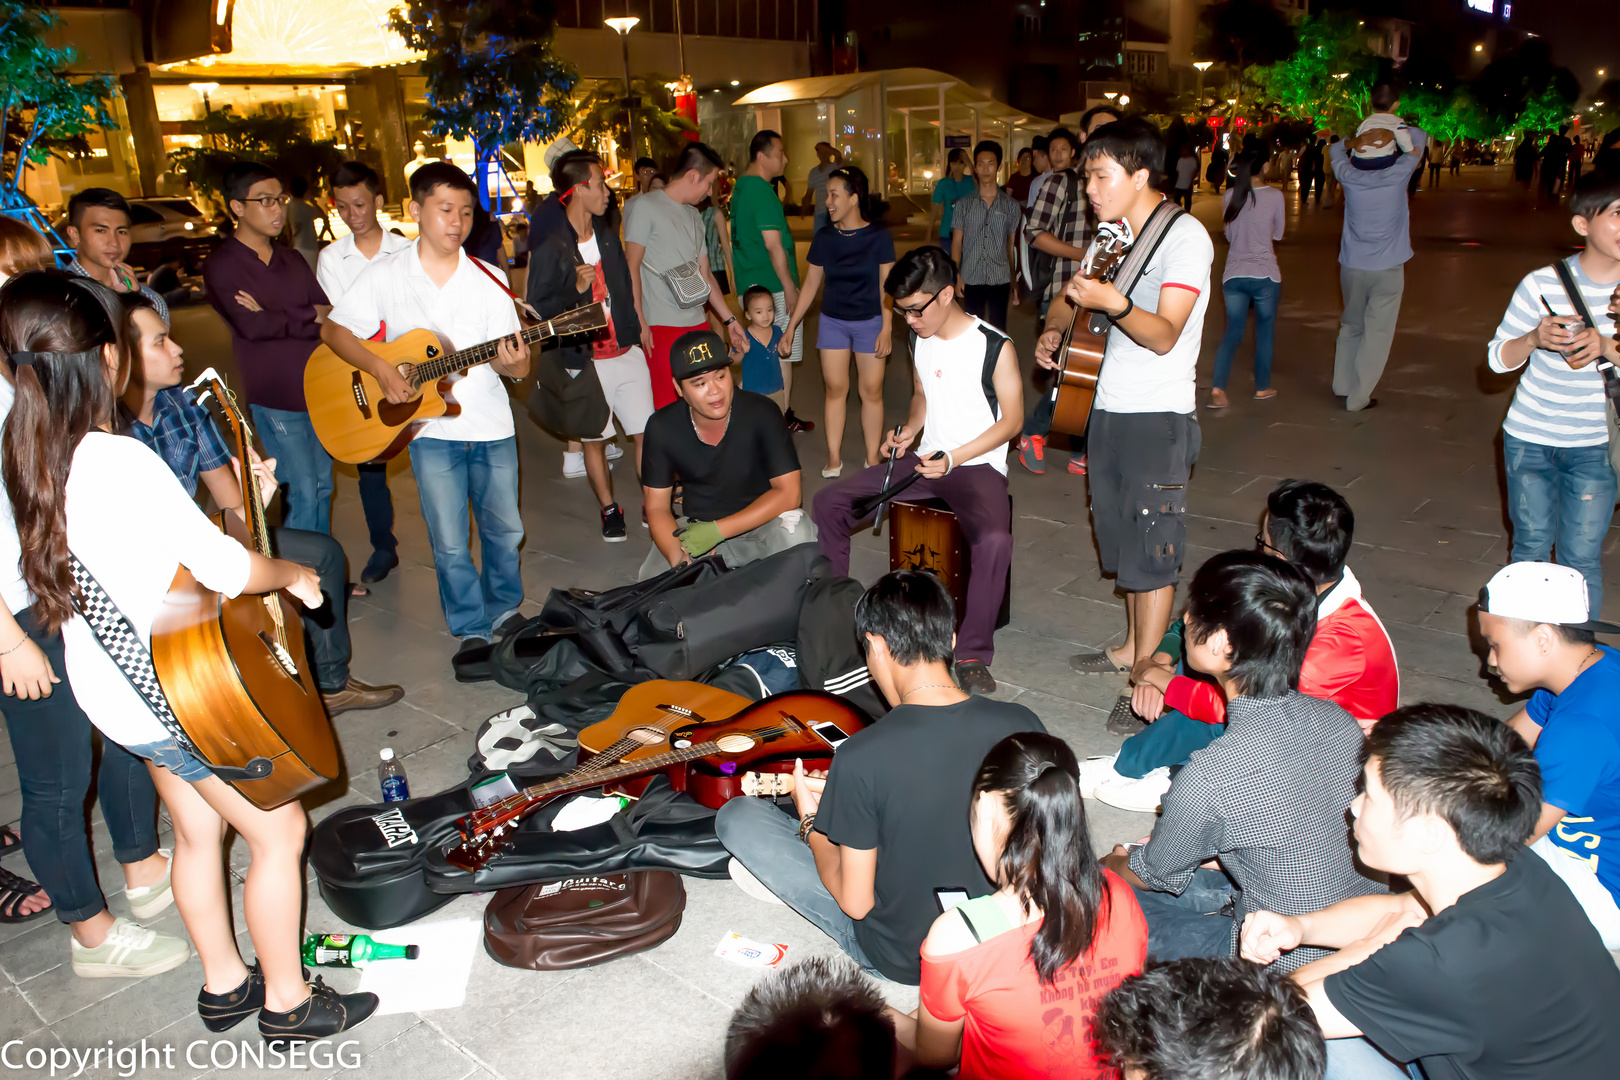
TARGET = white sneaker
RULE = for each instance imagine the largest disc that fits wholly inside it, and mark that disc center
(1094, 771)
(130, 951)
(146, 901)
(750, 884)
(573, 465)
(1142, 795)
(614, 451)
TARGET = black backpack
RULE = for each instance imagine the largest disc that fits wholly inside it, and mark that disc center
(829, 657)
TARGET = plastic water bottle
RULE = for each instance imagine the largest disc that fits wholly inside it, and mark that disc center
(392, 775)
(350, 950)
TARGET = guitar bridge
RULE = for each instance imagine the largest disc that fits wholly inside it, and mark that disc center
(360, 398)
(277, 650)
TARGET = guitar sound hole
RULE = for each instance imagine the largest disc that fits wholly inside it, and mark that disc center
(734, 743)
(647, 736)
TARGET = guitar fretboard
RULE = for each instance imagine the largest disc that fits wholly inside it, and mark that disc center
(450, 363)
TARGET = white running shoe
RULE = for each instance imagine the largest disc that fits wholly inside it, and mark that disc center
(146, 901)
(1094, 771)
(130, 951)
(614, 451)
(1142, 795)
(750, 884)
(573, 465)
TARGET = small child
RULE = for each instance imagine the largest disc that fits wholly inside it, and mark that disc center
(1382, 138)
(761, 366)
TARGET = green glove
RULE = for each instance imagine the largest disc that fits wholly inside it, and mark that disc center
(699, 537)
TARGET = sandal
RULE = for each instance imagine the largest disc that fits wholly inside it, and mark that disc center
(1266, 394)
(1218, 398)
(9, 840)
(1101, 662)
(358, 590)
(14, 890)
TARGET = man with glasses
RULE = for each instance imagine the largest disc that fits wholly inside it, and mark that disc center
(269, 297)
(967, 401)
(1350, 659)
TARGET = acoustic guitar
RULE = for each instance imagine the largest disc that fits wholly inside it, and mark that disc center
(235, 670)
(354, 419)
(1084, 342)
(669, 730)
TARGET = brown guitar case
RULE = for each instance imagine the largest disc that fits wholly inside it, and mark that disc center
(582, 921)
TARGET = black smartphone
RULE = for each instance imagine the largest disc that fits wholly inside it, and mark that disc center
(949, 898)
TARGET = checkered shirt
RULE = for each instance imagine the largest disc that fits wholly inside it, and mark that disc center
(1269, 799)
(183, 435)
(1060, 210)
(75, 267)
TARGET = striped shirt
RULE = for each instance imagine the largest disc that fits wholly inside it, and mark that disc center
(1555, 405)
(1251, 234)
(984, 232)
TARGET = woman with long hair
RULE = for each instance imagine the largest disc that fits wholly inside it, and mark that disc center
(852, 255)
(1255, 217)
(1010, 980)
(77, 490)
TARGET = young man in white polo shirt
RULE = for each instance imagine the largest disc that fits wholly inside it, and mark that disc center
(357, 192)
(1144, 435)
(434, 285)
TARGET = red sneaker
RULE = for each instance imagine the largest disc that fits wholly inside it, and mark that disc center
(1077, 464)
(1032, 453)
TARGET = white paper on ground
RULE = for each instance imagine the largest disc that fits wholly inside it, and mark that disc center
(437, 979)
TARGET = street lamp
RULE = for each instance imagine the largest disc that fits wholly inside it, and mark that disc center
(1110, 94)
(622, 26)
(1202, 66)
(204, 89)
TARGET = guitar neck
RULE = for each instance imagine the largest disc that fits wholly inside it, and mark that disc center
(583, 779)
(451, 363)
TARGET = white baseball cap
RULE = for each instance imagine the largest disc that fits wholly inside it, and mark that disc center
(1540, 592)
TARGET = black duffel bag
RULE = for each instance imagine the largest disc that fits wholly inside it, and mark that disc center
(663, 830)
(685, 632)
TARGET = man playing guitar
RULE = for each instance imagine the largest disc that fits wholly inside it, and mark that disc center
(1144, 434)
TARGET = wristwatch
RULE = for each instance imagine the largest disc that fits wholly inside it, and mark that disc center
(729, 321)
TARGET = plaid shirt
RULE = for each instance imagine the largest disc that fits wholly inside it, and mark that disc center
(184, 436)
(74, 267)
(1268, 799)
(1060, 209)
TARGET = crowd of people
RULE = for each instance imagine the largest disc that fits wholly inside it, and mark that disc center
(1335, 884)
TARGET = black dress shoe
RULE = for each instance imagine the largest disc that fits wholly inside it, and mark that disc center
(514, 622)
(974, 677)
(221, 1012)
(377, 566)
(468, 649)
(323, 1014)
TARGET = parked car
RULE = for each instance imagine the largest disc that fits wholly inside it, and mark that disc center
(168, 224)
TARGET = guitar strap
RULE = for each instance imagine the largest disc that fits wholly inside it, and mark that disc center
(1136, 260)
(501, 285)
(1611, 380)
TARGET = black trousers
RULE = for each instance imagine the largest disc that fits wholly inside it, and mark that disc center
(327, 627)
(988, 302)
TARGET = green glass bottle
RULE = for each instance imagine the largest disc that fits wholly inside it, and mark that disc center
(352, 950)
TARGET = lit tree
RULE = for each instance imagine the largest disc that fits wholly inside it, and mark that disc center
(661, 131)
(1327, 78)
(42, 109)
(281, 142)
(492, 77)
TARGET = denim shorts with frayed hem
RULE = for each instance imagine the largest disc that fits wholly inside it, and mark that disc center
(168, 754)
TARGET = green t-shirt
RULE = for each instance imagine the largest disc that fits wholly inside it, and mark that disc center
(946, 192)
(755, 210)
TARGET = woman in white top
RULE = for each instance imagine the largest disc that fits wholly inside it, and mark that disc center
(76, 487)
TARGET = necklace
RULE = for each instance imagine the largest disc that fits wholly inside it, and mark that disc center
(724, 428)
(929, 686)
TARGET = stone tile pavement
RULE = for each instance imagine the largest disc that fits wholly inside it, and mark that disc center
(1421, 470)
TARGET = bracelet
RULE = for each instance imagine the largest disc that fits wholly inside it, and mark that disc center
(806, 823)
(950, 463)
(1130, 306)
(729, 321)
(15, 647)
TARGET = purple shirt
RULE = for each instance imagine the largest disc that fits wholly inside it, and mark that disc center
(272, 345)
(1251, 233)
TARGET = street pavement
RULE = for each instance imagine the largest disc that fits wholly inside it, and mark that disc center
(1422, 471)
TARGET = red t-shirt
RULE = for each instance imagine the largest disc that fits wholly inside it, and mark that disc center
(1017, 1027)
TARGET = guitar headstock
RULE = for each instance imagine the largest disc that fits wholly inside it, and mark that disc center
(1107, 250)
(212, 384)
(582, 320)
(767, 785)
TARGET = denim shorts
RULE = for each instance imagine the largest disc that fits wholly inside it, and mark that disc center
(857, 335)
(168, 754)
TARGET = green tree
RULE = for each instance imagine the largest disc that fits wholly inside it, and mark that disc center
(1326, 80)
(1244, 33)
(42, 109)
(492, 76)
(281, 142)
(660, 130)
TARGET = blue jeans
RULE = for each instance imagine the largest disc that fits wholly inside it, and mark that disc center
(1189, 924)
(449, 475)
(51, 740)
(1168, 741)
(1239, 293)
(326, 628)
(302, 464)
(378, 503)
(1561, 496)
(1358, 1059)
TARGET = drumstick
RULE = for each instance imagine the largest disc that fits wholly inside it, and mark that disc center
(894, 452)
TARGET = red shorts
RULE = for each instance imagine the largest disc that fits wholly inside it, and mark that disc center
(663, 383)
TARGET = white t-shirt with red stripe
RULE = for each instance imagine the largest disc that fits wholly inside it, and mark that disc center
(1136, 379)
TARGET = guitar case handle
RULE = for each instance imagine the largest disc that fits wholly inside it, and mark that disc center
(256, 769)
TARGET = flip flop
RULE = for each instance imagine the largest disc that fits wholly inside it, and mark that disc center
(1100, 662)
(1265, 395)
(14, 890)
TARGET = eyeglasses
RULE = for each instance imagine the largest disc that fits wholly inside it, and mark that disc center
(1262, 545)
(269, 201)
(916, 312)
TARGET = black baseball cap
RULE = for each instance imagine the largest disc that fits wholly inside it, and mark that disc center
(696, 352)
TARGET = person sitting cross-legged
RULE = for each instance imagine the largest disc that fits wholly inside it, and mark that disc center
(1267, 798)
(732, 453)
(1351, 659)
(1486, 968)
(888, 825)
(966, 403)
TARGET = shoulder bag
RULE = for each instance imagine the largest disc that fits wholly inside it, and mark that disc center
(1611, 378)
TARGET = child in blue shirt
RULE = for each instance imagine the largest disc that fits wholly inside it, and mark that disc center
(761, 366)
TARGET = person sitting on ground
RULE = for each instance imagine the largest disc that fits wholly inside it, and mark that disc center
(1541, 637)
(889, 824)
(1486, 968)
(966, 403)
(1267, 798)
(1382, 137)
(1207, 1017)
(1008, 980)
(732, 454)
(1351, 659)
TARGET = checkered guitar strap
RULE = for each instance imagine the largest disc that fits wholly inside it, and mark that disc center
(127, 650)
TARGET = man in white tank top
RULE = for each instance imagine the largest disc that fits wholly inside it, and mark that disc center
(967, 402)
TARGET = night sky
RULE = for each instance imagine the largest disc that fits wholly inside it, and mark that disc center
(1584, 34)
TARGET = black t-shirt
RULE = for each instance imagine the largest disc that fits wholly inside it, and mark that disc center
(1510, 983)
(718, 481)
(851, 261)
(903, 786)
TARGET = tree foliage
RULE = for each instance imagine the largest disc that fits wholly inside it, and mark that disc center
(281, 142)
(1308, 83)
(42, 109)
(660, 130)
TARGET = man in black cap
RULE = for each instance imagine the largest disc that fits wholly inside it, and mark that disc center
(732, 454)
